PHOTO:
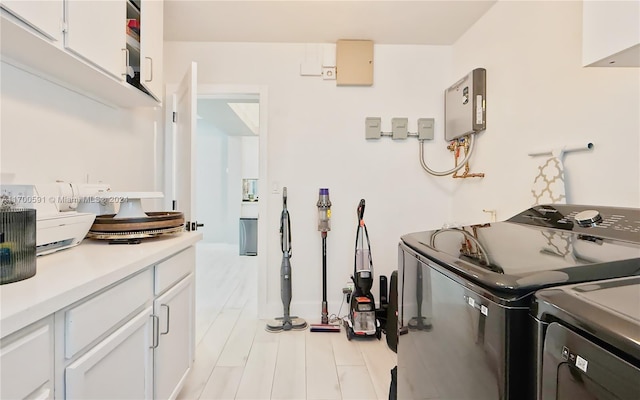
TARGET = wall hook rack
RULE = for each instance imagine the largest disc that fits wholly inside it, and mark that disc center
(559, 152)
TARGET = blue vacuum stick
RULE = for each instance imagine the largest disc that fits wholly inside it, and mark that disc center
(324, 226)
(287, 322)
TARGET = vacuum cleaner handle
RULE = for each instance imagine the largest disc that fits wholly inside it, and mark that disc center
(285, 226)
(361, 210)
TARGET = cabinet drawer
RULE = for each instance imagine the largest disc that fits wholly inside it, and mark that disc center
(173, 269)
(26, 362)
(91, 319)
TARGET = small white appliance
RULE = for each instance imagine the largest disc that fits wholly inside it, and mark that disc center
(58, 223)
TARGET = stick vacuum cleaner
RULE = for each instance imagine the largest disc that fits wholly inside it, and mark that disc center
(324, 226)
(287, 322)
(362, 319)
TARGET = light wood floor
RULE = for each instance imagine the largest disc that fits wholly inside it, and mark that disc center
(237, 359)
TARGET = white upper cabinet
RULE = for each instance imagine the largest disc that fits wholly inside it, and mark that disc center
(45, 16)
(611, 33)
(96, 31)
(83, 45)
(151, 33)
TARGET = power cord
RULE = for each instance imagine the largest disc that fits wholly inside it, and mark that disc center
(333, 318)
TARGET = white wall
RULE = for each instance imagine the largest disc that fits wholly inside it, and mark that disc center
(211, 182)
(51, 133)
(234, 188)
(222, 162)
(250, 157)
(538, 98)
(316, 139)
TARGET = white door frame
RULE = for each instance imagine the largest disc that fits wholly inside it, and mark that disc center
(215, 91)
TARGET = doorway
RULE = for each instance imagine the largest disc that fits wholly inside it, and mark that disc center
(227, 168)
(211, 91)
(252, 148)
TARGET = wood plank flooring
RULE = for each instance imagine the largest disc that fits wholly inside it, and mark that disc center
(237, 359)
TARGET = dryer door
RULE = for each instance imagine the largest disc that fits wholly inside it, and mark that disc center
(576, 368)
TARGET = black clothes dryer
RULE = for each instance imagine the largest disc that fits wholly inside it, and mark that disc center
(591, 340)
(465, 295)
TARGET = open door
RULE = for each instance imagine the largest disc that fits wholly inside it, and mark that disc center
(184, 122)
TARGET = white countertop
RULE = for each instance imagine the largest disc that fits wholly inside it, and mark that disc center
(67, 276)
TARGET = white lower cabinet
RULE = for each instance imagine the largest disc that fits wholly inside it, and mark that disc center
(173, 354)
(133, 340)
(26, 362)
(119, 367)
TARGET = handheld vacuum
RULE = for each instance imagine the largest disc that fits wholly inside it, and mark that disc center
(324, 226)
(287, 322)
(362, 319)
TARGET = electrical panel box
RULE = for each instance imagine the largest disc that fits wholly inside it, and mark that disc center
(399, 128)
(425, 128)
(465, 105)
(354, 62)
(372, 128)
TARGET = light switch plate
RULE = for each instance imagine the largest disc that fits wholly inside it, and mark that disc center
(372, 128)
(399, 127)
(425, 128)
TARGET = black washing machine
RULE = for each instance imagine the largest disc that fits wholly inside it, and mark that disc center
(591, 340)
(465, 295)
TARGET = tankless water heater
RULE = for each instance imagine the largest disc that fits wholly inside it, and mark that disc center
(465, 105)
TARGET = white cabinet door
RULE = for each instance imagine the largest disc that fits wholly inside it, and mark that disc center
(151, 46)
(26, 362)
(96, 31)
(119, 367)
(45, 16)
(173, 355)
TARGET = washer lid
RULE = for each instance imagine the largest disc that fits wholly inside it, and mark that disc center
(621, 296)
(609, 310)
(534, 250)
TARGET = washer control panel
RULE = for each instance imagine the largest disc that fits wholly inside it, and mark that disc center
(588, 218)
(607, 222)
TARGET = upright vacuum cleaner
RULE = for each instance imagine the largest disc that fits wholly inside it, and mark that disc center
(362, 319)
(287, 322)
(324, 226)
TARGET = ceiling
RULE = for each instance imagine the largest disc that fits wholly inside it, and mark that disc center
(230, 115)
(384, 22)
(322, 21)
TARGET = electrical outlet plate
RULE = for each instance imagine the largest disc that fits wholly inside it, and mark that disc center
(372, 128)
(399, 127)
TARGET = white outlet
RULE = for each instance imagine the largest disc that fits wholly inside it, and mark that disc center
(329, 73)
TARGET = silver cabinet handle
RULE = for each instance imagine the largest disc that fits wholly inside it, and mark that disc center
(156, 329)
(168, 318)
(150, 69)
